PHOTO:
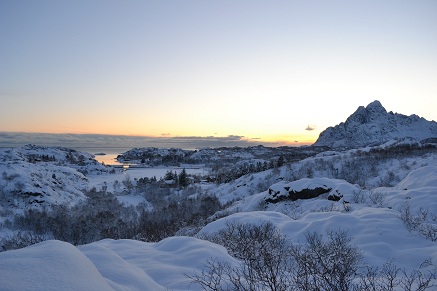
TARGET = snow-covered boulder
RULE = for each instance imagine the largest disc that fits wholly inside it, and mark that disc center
(308, 188)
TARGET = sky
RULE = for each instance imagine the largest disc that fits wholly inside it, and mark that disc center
(277, 72)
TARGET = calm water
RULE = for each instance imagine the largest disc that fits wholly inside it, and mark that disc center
(108, 159)
(110, 156)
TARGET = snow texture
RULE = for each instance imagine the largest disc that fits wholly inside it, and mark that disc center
(133, 265)
(107, 265)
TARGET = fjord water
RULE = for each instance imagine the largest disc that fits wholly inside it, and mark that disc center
(106, 155)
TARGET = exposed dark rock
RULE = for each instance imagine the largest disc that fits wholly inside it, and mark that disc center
(431, 140)
(295, 195)
(34, 194)
(308, 193)
(335, 196)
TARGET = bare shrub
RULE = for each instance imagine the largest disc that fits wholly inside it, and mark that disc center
(418, 280)
(20, 240)
(429, 231)
(270, 262)
(265, 256)
(418, 221)
(326, 264)
(390, 278)
(377, 198)
(359, 196)
(215, 276)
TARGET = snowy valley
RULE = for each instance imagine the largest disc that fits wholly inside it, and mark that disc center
(356, 211)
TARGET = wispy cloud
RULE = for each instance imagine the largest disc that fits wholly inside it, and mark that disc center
(310, 127)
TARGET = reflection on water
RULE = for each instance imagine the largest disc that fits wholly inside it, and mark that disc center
(110, 156)
(108, 159)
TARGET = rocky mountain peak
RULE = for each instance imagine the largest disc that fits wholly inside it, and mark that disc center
(367, 114)
(373, 125)
(376, 106)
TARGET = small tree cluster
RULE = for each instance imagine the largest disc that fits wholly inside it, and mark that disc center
(226, 173)
(172, 216)
(180, 180)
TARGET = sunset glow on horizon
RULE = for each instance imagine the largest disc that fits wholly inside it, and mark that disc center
(274, 72)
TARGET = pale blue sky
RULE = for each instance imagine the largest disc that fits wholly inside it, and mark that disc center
(259, 69)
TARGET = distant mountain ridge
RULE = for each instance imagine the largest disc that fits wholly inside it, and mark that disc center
(373, 125)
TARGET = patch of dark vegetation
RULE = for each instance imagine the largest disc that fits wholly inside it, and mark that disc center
(101, 216)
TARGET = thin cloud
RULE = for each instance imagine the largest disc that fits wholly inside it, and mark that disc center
(310, 127)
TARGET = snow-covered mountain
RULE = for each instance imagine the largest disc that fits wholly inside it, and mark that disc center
(373, 125)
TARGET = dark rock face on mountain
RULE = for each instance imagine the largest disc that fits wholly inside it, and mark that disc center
(373, 125)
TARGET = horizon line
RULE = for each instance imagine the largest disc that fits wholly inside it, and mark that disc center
(99, 140)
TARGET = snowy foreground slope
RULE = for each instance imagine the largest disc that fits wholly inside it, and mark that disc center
(106, 265)
(375, 228)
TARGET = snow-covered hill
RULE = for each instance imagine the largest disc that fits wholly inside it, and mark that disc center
(210, 156)
(35, 176)
(373, 125)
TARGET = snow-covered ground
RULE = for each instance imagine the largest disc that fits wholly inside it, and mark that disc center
(376, 228)
(107, 265)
